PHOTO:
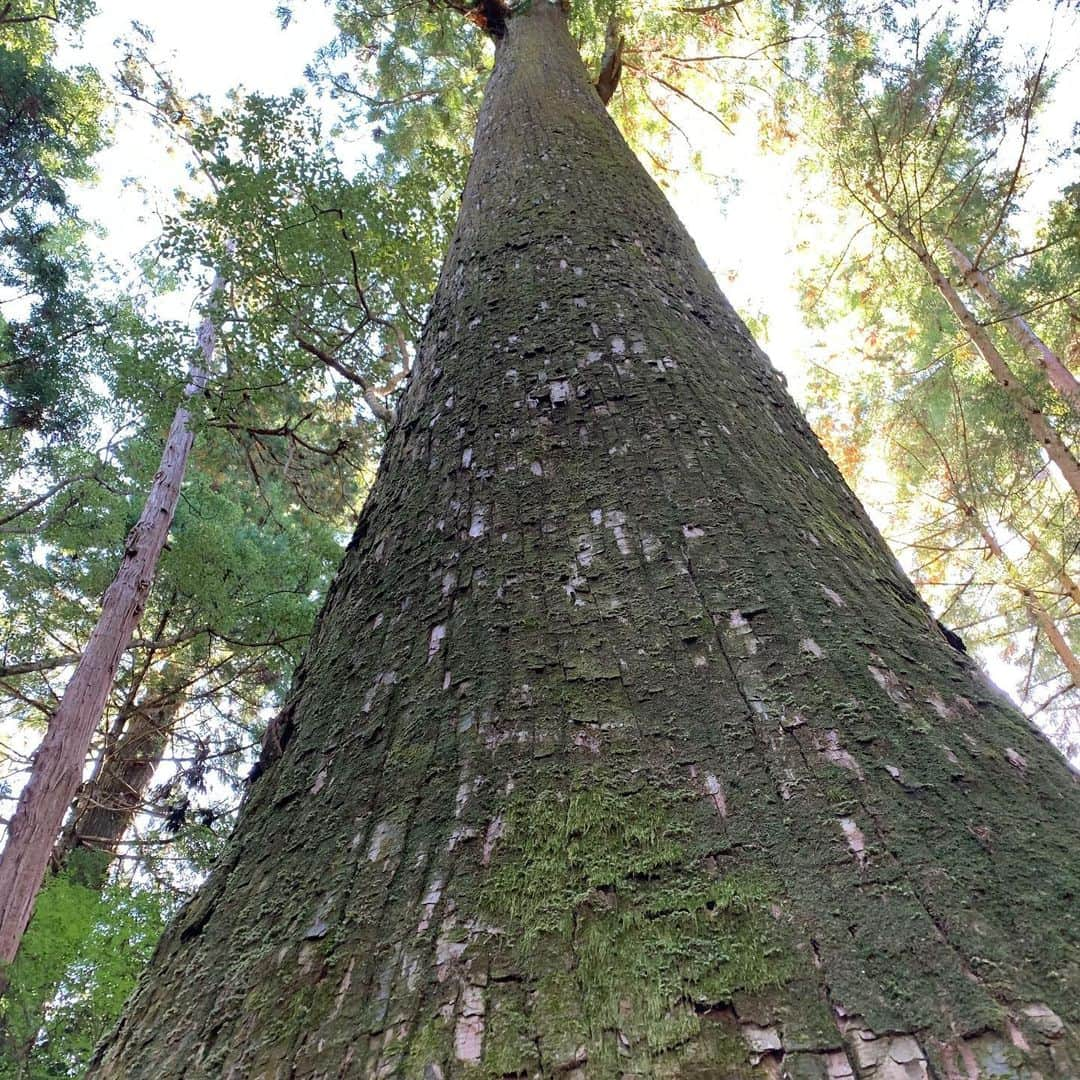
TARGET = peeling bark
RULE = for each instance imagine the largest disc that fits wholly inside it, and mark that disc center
(622, 748)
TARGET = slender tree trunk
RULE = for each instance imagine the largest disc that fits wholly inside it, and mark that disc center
(1068, 584)
(1059, 376)
(58, 764)
(1044, 432)
(622, 747)
(101, 816)
(106, 809)
(1040, 617)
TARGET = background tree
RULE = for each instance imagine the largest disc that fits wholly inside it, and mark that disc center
(284, 445)
(963, 373)
(51, 128)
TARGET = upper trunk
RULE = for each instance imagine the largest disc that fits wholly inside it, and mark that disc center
(622, 746)
(1057, 374)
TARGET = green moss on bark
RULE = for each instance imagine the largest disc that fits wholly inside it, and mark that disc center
(610, 881)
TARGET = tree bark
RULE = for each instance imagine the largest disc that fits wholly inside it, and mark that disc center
(1058, 375)
(58, 764)
(104, 812)
(622, 747)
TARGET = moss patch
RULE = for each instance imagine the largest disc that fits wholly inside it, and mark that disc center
(606, 887)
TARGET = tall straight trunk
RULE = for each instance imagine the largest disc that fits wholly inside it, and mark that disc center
(622, 747)
(1041, 428)
(105, 811)
(58, 764)
(1018, 328)
(1040, 617)
(1068, 584)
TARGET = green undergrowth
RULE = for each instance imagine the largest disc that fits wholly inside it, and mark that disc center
(80, 957)
(619, 919)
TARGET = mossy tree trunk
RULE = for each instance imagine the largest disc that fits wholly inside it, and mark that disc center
(623, 747)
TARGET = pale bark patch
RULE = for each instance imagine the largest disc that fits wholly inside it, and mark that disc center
(491, 837)
(469, 1032)
(384, 840)
(435, 640)
(1015, 758)
(890, 683)
(320, 781)
(715, 792)
(855, 839)
(834, 752)
(429, 903)
(889, 1057)
(833, 596)
(743, 634)
(586, 740)
(1044, 1020)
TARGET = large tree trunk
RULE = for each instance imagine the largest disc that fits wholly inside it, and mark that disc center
(622, 748)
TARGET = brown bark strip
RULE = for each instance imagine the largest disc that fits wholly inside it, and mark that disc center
(58, 764)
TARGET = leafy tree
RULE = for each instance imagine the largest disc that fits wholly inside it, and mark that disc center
(92, 944)
(257, 531)
(50, 129)
(963, 393)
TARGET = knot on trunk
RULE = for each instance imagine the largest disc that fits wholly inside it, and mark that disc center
(490, 16)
